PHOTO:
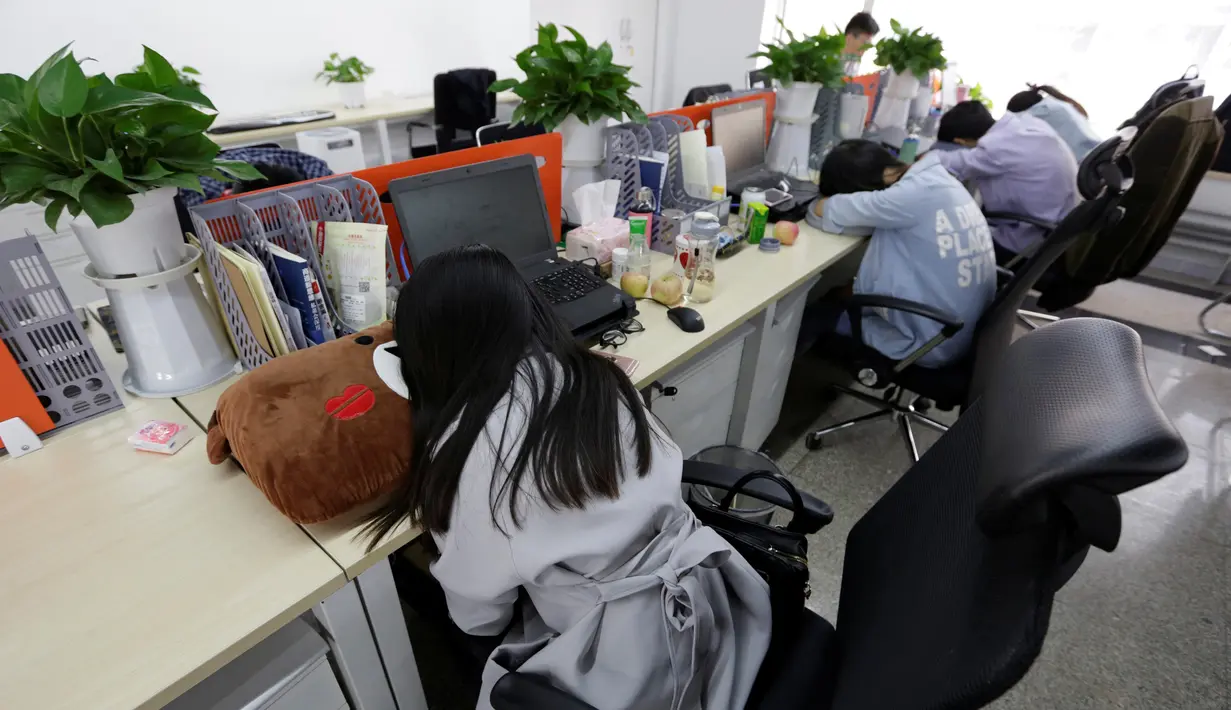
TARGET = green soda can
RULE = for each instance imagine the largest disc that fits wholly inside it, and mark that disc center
(756, 228)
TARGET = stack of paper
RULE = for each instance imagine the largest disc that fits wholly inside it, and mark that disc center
(264, 312)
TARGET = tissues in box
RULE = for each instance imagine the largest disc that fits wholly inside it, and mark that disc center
(596, 240)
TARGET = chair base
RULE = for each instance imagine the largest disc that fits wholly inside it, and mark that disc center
(1029, 318)
(1225, 298)
(892, 405)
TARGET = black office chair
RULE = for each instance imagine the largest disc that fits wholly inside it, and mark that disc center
(758, 79)
(910, 390)
(1176, 141)
(948, 580)
(505, 131)
(701, 94)
(463, 104)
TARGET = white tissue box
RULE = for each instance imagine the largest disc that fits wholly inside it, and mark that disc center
(596, 240)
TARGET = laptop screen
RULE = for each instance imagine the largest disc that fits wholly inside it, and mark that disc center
(497, 203)
(740, 130)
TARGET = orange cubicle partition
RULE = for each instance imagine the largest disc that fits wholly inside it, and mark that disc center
(548, 149)
(702, 112)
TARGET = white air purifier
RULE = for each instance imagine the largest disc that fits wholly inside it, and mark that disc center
(340, 147)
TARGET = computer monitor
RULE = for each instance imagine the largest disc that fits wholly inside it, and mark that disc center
(498, 203)
(740, 130)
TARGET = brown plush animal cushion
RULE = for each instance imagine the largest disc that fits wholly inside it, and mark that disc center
(316, 430)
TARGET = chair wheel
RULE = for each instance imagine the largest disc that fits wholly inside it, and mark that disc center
(923, 404)
(812, 442)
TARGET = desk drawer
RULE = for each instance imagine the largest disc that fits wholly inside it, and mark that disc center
(290, 670)
(699, 414)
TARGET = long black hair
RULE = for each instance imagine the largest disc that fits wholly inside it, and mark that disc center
(856, 165)
(468, 325)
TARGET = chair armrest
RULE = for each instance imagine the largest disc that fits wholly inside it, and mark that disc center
(949, 323)
(815, 515)
(1012, 217)
(523, 691)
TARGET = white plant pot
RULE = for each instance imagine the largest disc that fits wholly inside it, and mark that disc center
(852, 115)
(352, 93)
(922, 102)
(902, 86)
(583, 142)
(797, 101)
(173, 340)
(148, 242)
(791, 142)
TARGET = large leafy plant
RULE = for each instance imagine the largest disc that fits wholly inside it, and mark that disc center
(187, 75)
(910, 51)
(570, 78)
(976, 94)
(351, 70)
(816, 59)
(87, 144)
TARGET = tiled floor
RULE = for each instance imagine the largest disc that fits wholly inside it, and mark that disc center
(1143, 627)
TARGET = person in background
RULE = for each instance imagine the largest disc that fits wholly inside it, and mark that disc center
(1019, 165)
(1066, 117)
(550, 490)
(930, 244)
(860, 32)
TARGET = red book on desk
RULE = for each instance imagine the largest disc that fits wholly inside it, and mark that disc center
(19, 399)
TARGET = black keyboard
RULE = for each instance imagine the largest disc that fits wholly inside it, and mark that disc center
(568, 284)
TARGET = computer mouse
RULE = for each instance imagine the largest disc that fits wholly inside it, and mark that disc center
(687, 319)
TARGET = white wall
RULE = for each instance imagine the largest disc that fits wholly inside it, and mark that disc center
(703, 42)
(258, 56)
(599, 21)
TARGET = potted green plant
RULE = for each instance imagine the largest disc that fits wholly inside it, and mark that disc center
(976, 94)
(911, 54)
(804, 65)
(802, 68)
(350, 75)
(111, 154)
(572, 88)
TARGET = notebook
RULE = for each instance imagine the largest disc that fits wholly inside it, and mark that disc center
(304, 294)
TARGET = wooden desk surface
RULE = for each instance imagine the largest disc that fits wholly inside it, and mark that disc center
(129, 577)
(377, 109)
(747, 283)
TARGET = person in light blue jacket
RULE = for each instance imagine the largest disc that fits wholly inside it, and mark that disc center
(930, 244)
(1066, 117)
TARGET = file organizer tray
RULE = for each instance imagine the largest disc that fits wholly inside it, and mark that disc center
(281, 216)
(41, 331)
(627, 141)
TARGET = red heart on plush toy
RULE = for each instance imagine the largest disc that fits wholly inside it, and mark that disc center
(354, 401)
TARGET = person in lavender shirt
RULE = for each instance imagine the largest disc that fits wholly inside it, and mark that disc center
(1019, 165)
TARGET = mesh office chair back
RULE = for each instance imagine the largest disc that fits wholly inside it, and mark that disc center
(948, 580)
(462, 104)
(1106, 166)
(1174, 147)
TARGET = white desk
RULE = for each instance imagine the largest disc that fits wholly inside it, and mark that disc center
(748, 283)
(379, 111)
(128, 577)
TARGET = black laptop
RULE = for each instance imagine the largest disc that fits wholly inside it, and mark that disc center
(500, 203)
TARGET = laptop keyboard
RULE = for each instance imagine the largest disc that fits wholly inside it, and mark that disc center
(569, 284)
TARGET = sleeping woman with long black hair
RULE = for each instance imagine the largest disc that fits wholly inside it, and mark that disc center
(536, 467)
